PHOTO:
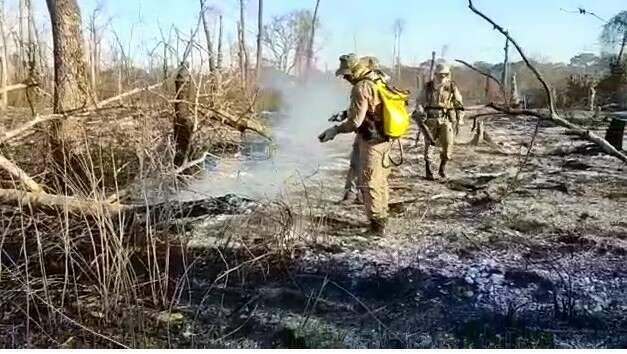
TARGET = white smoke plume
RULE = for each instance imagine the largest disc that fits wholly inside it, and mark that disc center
(304, 114)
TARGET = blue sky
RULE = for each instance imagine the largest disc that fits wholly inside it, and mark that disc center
(365, 26)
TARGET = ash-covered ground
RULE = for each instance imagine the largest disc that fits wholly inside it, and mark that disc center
(461, 265)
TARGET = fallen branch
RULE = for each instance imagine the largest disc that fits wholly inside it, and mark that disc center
(575, 129)
(52, 201)
(27, 126)
(17, 172)
(240, 124)
(193, 163)
(552, 116)
(16, 87)
(229, 204)
(50, 117)
(127, 94)
(486, 74)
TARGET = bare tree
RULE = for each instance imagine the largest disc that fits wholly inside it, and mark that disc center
(280, 38)
(208, 38)
(398, 31)
(71, 90)
(5, 57)
(505, 73)
(243, 51)
(310, 46)
(615, 33)
(259, 39)
(21, 35)
(432, 66)
(94, 49)
(220, 54)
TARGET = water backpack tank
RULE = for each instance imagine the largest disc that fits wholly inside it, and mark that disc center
(395, 116)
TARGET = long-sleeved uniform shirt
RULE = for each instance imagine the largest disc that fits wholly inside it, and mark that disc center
(365, 104)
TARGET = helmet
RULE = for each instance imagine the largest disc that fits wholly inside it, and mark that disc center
(371, 62)
(347, 64)
(442, 69)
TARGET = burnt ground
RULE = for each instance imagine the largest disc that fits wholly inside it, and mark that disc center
(460, 265)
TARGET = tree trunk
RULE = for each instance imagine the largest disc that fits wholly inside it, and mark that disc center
(515, 95)
(432, 67)
(619, 58)
(21, 51)
(616, 132)
(242, 65)
(93, 53)
(244, 60)
(33, 73)
(205, 25)
(71, 88)
(505, 74)
(219, 58)
(5, 58)
(259, 40)
(183, 120)
(592, 96)
(310, 46)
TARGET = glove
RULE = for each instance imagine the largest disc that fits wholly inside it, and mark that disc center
(418, 116)
(338, 117)
(327, 135)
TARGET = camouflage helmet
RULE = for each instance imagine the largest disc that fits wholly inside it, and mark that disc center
(442, 69)
(347, 64)
(371, 62)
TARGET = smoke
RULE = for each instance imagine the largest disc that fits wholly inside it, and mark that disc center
(298, 154)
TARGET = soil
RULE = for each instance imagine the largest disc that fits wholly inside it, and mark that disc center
(493, 257)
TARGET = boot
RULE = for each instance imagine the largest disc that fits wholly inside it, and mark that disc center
(442, 170)
(349, 198)
(377, 227)
(429, 174)
(359, 199)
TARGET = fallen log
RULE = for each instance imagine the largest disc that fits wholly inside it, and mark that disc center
(157, 212)
(18, 173)
(575, 129)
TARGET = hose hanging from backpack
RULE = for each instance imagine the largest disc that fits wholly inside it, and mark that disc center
(390, 160)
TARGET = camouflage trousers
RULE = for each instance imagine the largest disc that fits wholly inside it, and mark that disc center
(374, 162)
(442, 131)
(353, 171)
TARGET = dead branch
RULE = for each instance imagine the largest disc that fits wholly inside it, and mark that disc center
(228, 204)
(16, 87)
(583, 133)
(50, 117)
(27, 126)
(486, 74)
(552, 116)
(195, 162)
(17, 172)
(240, 124)
(539, 76)
(126, 94)
(53, 201)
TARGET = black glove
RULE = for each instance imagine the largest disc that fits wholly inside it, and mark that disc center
(339, 117)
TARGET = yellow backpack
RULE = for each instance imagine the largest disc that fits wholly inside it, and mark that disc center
(395, 116)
